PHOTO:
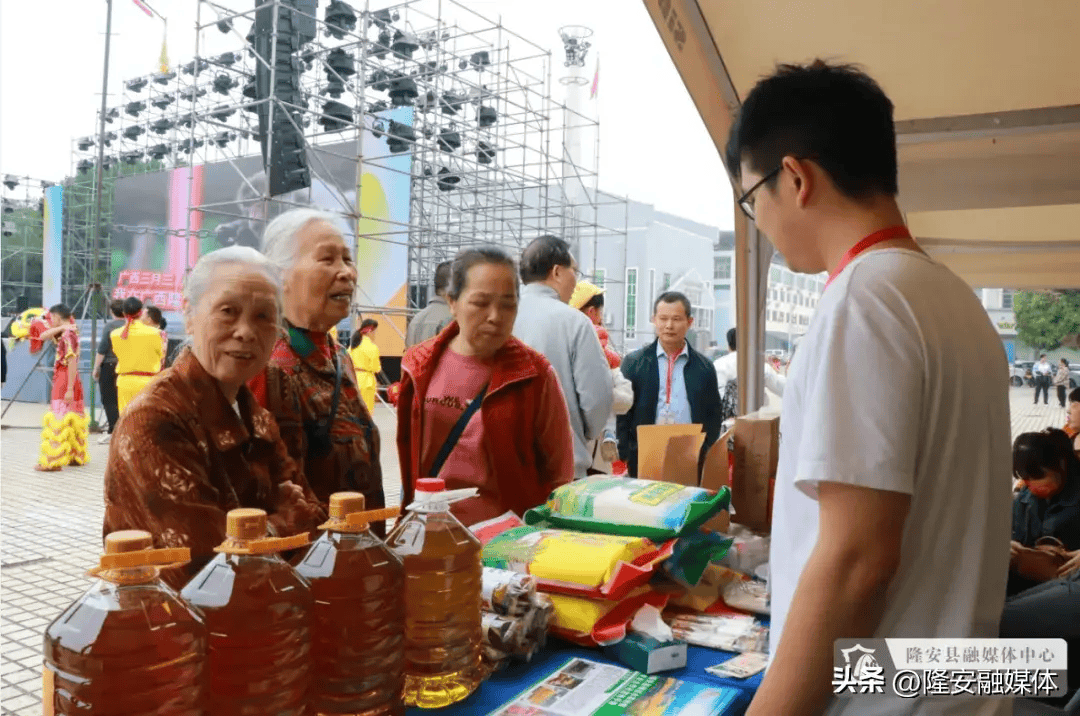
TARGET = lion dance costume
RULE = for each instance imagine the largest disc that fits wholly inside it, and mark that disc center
(65, 425)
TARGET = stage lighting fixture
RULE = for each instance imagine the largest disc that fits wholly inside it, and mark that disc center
(403, 91)
(109, 138)
(222, 112)
(404, 44)
(132, 157)
(249, 90)
(193, 68)
(485, 153)
(446, 180)
(399, 137)
(85, 143)
(227, 58)
(449, 140)
(463, 64)
(162, 102)
(308, 57)
(136, 85)
(334, 87)
(187, 146)
(11, 181)
(224, 25)
(340, 18)
(487, 116)
(426, 102)
(161, 126)
(192, 93)
(452, 102)
(186, 120)
(223, 83)
(163, 78)
(480, 59)
(112, 114)
(379, 81)
(336, 116)
(381, 106)
(133, 131)
(108, 163)
(383, 18)
(378, 129)
(341, 62)
(223, 138)
(8, 208)
(9, 228)
(133, 108)
(158, 151)
(382, 45)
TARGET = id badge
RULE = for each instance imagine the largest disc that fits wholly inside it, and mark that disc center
(666, 417)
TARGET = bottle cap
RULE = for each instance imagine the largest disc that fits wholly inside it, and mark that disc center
(430, 484)
(246, 523)
(342, 504)
(127, 541)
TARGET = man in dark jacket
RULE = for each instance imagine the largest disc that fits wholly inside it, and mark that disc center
(673, 383)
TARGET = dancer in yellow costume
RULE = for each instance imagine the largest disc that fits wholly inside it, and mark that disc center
(366, 360)
(65, 426)
(140, 353)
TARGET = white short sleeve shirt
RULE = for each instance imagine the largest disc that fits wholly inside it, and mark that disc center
(900, 384)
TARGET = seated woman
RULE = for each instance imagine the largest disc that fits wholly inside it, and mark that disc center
(194, 444)
(516, 445)
(1047, 509)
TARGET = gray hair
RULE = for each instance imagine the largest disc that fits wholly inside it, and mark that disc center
(279, 239)
(202, 275)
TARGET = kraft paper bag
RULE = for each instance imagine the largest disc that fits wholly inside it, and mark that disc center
(681, 460)
(757, 448)
(652, 445)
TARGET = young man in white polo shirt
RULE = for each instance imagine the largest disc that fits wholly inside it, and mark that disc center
(892, 507)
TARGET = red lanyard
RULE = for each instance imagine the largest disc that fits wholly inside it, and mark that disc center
(670, 372)
(893, 232)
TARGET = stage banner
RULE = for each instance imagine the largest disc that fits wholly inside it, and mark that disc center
(382, 230)
(52, 251)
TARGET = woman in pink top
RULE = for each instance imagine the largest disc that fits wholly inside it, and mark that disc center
(517, 446)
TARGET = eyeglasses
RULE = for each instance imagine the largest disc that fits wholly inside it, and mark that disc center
(746, 201)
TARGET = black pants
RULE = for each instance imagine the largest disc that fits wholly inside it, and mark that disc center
(107, 382)
(1061, 394)
(1050, 610)
(1042, 383)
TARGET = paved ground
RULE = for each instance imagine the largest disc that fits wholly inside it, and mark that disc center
(50, 534)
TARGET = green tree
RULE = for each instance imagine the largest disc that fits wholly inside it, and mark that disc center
(1045, 318)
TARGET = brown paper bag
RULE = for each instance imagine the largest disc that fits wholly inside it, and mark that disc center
(757, 448)
(653, 445)
(681, 460)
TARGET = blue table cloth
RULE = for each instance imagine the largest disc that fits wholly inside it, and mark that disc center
(515, 678)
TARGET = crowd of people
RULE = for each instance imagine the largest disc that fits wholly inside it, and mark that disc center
(510, 386)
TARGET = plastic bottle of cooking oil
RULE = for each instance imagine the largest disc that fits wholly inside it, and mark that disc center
(129, 645)
(258, 617)
(442, 599)
(358, 625)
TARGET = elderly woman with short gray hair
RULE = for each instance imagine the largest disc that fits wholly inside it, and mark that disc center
(310, 383)
(194, 443)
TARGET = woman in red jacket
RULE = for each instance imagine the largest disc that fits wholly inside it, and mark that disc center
(515, 443)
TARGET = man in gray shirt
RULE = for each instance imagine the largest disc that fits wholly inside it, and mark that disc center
(430, 321)
(567, 339)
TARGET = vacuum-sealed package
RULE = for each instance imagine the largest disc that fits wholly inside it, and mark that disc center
(568, 562)
(629, 506)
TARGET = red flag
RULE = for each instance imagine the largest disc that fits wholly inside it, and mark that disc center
(142, 6)
(595, 80)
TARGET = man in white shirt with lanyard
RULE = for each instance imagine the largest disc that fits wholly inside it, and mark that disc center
(892, 507)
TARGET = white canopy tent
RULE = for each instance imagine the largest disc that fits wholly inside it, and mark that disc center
(987, 97)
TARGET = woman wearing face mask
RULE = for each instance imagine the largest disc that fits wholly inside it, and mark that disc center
(1046, 512)
(310, 383)
(515, 445)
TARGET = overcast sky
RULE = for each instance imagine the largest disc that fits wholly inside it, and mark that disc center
(653, 145)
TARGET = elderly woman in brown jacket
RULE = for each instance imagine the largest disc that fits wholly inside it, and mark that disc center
(194, 443)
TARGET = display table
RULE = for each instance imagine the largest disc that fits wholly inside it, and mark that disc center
(515, 678)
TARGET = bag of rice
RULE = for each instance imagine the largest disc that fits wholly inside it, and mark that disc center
(629, 506)
(566, 562)
(598, 622)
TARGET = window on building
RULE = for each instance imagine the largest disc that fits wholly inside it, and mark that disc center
(667, 281)
(721, 267)
(800, 282)
(600, 277)
(774, 275)
(789, 278)
(652, 286)
(1007, 298)
(630, 319)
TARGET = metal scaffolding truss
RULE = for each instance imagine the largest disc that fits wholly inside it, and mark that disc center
(467, 102)
(23, 225)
